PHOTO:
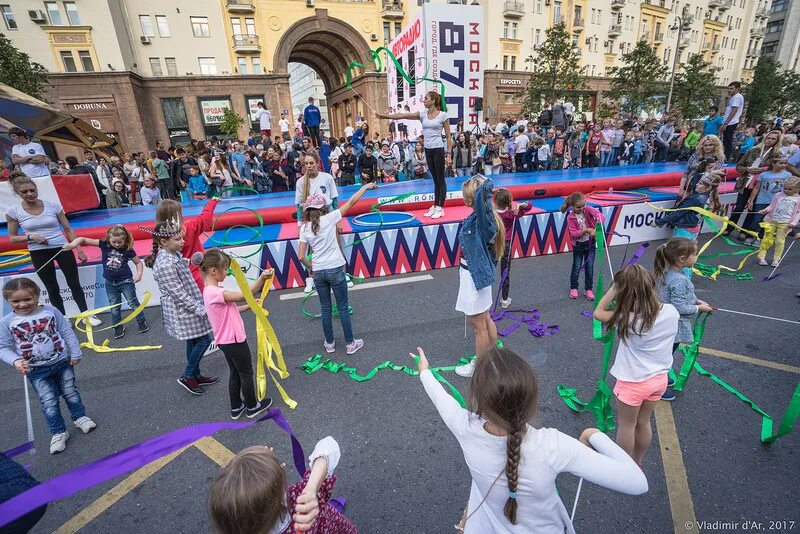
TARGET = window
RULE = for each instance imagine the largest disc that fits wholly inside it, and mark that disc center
(172, 66)
(256, 65)
(538, 37)
(8, 17)
(236, 26)
(86, 60)
(242, 62)
(513, 62)
(175, 119)
(72, 13)
(208, 65)
(250, 24)
(556, 12)
(200, 27)
(387, 31)
(412, 72)
(163, 27)
(155, 66)
(593, 16)
(514, 26)
(778, 6)
(53, 13)
(147, 26)
(538, 6)
(506, 25)
(775, 26)
(505, 62)
(508, 98)
(68, 61)
(398, 28)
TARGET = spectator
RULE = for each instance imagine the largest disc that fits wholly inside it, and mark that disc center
(264, 118)
(162, 174)
(733, 113)
(179, 169)
(117, 196)
(368, 166)
(712, 123)
(27, 156)
(149, 193)
(312, 117)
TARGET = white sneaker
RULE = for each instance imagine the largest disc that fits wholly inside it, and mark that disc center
(309, 285)
(430, 211)
(85, 424)
(94, 320)
(329, 348)
(505, 303)
(350, 284)
(439, 213)
(58, 442)
(353, 347)
(466, 370)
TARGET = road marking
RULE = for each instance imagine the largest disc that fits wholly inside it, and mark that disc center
(750, 359)
(680, 499)
(215, 450)
(369, 285)
(105, 501)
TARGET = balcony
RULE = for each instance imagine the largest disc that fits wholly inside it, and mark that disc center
(714, 4)
(659, 38)
(615, 30)
(578, 25)
(392, 9)
(715, 48)
(725, 5)
(616, 5)
(762, 13)
(757, 31)
(513, 9)
(705, 47)
(241, 6)
(683, 44)
(246, 44)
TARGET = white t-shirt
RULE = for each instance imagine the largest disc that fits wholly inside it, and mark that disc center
(265, 118)
(569, 108)
(46, 224)
(785, 209)
(521, 143)
(323, 184)
(31, 170)
(325, 246)
(348, 131)
(650, 354)
(284, 125)
(738, 101)
(432, 129)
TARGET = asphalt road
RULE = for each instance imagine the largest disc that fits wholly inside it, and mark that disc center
(401, 470)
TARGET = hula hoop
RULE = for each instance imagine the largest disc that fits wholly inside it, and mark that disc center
(606, 196)
(404, 218)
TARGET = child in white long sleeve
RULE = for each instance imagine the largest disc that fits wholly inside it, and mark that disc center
(513, 464)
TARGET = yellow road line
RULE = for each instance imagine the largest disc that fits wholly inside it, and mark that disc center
(680, 499)
(105, 501)
(750, 359)
(215, 450)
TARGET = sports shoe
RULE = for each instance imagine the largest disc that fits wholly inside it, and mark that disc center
(58, 442)
(589, 294)
(670, 382)
(430, 211)
(354, 346)
(85, 424)
(143, 327)
(94, 321)
(757, 243)
(762, 261)
(350, 284)
(439, 213)
(119, 331)
(207, 380)
(191, 385)
(748, 241)
(236, 413)
(505, 303)
(668, 395)
(466, 370)
(309, 285)
(573, 293)
(259, 408)
(330, 348)
(775, 263)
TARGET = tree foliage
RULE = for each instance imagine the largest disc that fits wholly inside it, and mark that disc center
(18, 71)
(231, 122)
(638, 81)
(789, 98)
(695, 88)
(555, 70)
(763, 94)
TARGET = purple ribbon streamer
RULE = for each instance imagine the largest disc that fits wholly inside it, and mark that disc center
(637, 255)
(129, 459)
(530, 317)
(19, 449)
(586, 313)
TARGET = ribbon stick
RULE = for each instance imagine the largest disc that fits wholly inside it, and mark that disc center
(83, 319)
(770, 277)
(28, 418)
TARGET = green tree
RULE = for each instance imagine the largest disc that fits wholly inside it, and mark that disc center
(638, 81)
(789, 98)
(231, 122)
(764, 92)
(18, 71)
(555, 70)
(695, 88)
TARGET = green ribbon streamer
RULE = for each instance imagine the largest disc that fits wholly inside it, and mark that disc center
(375, 59)
(600, 404)
(708, 270)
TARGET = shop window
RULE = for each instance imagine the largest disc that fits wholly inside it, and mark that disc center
(211, 111)
(175, 119)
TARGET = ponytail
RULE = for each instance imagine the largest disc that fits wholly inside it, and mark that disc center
(660, 264)
(500, 236)
(513, 446)
(571, 200)
(150, 260)
(670, 253)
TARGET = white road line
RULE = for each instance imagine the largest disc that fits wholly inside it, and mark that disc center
(369, 285)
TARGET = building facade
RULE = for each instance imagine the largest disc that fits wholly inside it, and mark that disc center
(781, 34)
(304, 82)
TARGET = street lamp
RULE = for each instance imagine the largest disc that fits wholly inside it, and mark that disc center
(679, 23)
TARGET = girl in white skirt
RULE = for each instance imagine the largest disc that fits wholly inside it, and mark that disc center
(482, 240)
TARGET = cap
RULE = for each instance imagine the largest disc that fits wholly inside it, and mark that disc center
(315, 201)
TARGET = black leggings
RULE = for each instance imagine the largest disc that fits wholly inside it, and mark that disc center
(66, 261)
(435, 159)
(240, 382)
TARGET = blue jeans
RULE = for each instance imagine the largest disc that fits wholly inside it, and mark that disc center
(582, 260)
(605, 158)
(195, 348)
(614, 155)
(116, 289)
(326, 280)
(50, 382)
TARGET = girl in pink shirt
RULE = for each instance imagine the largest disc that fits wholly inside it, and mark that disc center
(581, 223)
(226, 321)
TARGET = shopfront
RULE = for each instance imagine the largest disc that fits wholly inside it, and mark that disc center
(212, 111)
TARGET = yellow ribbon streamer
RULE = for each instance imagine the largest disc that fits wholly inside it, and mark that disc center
(267, 339)
(82, 318)
(725, 223)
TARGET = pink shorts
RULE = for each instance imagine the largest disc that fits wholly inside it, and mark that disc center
(635, 393)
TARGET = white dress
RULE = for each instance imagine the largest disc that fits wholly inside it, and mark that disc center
(471, 301)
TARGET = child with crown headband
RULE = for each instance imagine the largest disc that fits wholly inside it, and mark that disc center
(182, 308)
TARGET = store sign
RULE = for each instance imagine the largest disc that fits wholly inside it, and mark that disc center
(508, 81)
(86, 106)
(213, 110)
(96, 124)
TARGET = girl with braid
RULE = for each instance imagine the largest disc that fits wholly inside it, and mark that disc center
(513, 464)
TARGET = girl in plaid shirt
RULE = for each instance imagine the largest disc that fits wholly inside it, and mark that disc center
(182, 307)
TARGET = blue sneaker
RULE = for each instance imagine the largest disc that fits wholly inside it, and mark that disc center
(668, 395)
(670, 382)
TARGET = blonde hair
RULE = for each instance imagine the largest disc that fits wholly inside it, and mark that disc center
(468, 189)
(306, 184)
(719, 150)
(18, 179)
(637, 302)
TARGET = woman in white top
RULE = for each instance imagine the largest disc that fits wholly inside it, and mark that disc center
(43, 226)
(513, 464)
(434, 122)
(319, 233)
(646, 330)
(220, 173)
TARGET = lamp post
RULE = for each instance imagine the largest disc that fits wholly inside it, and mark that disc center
(679, 22)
